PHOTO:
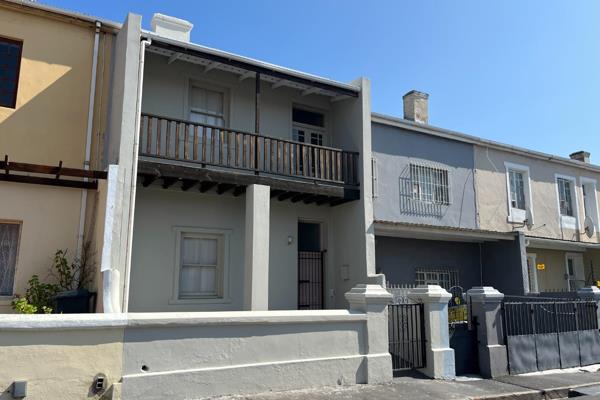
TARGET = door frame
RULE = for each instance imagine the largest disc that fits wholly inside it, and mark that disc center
(573, 255)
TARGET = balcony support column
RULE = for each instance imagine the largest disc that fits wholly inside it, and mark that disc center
(256, 250)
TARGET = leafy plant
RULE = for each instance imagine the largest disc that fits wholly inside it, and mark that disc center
(39, 296)
(38, 299)
(74, 275)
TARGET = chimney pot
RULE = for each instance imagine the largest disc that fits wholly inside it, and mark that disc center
(582, 156)
(171, 27)
(416, 106)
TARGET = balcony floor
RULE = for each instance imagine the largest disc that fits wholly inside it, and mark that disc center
(193, 176)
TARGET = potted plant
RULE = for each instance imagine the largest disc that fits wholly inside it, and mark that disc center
(73, 279)
(69, 293)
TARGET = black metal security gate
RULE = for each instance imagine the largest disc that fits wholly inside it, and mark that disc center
(406, 331)
(310, 280)
(548, 334)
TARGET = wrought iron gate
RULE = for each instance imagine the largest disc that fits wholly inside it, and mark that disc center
(406, 331)
(310, 280)
(548, 334)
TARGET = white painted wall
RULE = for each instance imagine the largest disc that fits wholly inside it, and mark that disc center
(158, 211)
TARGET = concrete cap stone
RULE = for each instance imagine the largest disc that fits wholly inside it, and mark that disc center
(484, 294)
(368, 294)
(429, 294)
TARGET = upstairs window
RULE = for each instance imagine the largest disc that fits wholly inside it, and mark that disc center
(308, 126)
(430, 184)
(10, 66)
(517, 190)
(207, 106)
(565, 197)
(518, 185)
(9, 246)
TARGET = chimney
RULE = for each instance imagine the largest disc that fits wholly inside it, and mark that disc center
(582, 156)
(415, 106)
(171, 27)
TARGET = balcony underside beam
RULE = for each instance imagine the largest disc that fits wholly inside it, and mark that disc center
(227, 181)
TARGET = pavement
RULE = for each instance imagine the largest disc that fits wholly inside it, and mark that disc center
(542, 386)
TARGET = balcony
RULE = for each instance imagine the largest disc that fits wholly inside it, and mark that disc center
(226, 159)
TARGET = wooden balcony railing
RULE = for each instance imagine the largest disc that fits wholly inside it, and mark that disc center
(210, 145)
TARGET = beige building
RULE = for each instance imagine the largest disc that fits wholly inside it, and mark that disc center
(553, 201)
(52, 112)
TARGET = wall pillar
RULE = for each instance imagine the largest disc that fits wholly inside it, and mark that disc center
(486, 309)
(440, 357)
(373, 300)
(256, 249)
(591, 293)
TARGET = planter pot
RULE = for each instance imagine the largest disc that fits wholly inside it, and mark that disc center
(75, 302)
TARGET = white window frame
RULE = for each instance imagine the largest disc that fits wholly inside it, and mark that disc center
(6, 299)
(567, 221)
(322, 130)
(516, 215)
(595, 210)
(208, 85)
(223, 273)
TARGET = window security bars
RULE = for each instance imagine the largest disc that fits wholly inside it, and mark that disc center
(446, 277)
(9, 243)
(430, 184)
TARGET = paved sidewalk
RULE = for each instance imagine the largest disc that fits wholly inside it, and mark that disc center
(523, 387)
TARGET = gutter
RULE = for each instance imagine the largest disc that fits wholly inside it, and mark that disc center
(136, 144)
(88, 139)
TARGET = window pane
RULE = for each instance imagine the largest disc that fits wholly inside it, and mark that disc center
(564, 197)
(517, 190)
(199, 251)
(9, 240)
(308, 117)
(10, 60)
(430, 184)
(197, 280)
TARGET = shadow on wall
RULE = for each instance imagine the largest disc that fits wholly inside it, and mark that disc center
(410, 206)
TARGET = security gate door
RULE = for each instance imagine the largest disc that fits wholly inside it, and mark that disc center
(548, 334)
(311, 267)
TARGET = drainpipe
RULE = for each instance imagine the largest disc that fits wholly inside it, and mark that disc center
(134, 168)
(88, 140)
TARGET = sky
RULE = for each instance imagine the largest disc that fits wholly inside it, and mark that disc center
(524, 73)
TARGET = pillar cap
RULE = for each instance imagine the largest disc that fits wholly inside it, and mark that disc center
(484, 294)
(368, 294)
(429, 294)
(590, 292)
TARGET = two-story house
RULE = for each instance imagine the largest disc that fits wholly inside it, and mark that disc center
(425, 207)
(251, 180)
(553, 201)
(458, 210)
(54, 80)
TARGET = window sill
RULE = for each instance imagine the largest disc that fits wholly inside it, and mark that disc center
(201, 300)
(568, 222)
(517, 216)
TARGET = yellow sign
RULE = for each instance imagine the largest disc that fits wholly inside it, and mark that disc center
(541, 266)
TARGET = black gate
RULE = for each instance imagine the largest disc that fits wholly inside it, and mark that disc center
(548, 334)
(406, 331)
(310, 280)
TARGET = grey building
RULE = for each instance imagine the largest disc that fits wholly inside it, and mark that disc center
(425, 213)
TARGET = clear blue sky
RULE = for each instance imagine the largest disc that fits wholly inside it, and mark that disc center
(521, 72)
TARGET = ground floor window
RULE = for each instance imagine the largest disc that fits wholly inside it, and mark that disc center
(200, 267)
(444, 277)
(9, 247)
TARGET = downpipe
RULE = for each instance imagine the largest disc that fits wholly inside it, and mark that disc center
(144, 43)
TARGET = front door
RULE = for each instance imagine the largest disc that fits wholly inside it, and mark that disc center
(575, 274)
(310, 267)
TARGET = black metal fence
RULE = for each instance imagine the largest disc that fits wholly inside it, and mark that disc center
(544, 334)
(406, 333)
(310, 280)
